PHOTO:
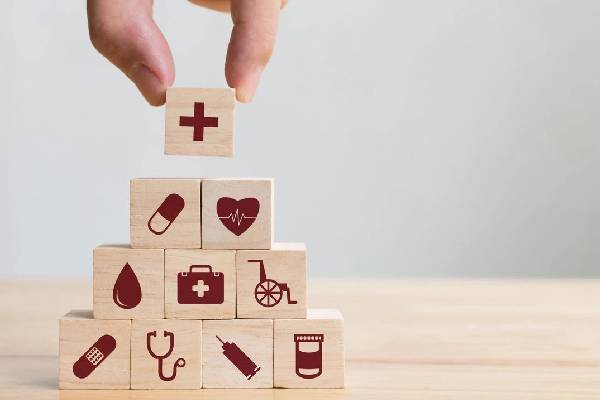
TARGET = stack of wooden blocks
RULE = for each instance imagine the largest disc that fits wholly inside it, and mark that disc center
(202, 297)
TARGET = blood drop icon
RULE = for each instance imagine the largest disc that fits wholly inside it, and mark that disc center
(127, 292)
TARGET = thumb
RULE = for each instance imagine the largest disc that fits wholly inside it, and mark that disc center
(252, 42)
(126, 34)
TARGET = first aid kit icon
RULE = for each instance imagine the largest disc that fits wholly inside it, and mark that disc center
(200, 285)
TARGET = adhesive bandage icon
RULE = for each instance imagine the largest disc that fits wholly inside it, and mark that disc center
(94, 356)
(166, 213)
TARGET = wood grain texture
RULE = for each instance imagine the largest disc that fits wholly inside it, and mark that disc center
(407, 339)
(217, 141)
(254, 338)
(215, 235)
(187, 344)
(146, 197)
(326, 322)
(284, 263)
(220, 261)
(148, 267)
(78, 332)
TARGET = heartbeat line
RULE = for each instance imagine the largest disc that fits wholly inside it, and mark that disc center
(236, 217)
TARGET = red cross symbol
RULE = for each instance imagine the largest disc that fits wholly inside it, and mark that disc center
(199, 122)
(200, 288)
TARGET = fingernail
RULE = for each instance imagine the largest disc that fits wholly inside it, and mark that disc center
(245, 93)
(148, 84)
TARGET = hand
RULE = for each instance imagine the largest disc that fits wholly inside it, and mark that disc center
(125, 33)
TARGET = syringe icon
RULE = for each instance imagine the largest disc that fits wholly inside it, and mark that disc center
(238, 358)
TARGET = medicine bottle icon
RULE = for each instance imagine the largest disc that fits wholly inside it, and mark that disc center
(309, 355)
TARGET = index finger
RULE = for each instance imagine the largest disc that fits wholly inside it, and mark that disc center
(252, 42)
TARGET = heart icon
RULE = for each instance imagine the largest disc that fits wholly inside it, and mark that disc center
(237, 215)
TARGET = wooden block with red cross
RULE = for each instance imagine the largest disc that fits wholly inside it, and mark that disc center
(199, 122)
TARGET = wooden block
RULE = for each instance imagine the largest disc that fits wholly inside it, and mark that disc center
(181, 369)
(128, 283)
(237, 213)
(309, 353)
(244, 358)
(200, 284)
(165, 213)
(93, 353)
(199, 122)
(272, 283)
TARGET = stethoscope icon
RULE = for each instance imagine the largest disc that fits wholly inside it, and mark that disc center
(179, 363)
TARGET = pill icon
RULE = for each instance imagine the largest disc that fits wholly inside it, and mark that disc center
(166, 213)
(94, 356)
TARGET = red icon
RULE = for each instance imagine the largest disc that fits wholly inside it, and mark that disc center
(168, 211)
(94, 356)
(238, 358)
(268, 293)
(127, 292)
(179, 363)
(309, 355)
(200, 287)
(237, 215)
(199, 122)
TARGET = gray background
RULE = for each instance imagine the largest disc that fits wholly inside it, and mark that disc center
(422, 138)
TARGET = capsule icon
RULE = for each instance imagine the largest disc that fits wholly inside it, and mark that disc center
(166, 213)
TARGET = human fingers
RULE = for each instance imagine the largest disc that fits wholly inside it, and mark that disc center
(251, 45)
(126, 34)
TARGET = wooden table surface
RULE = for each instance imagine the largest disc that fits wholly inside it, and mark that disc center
(405, 339)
